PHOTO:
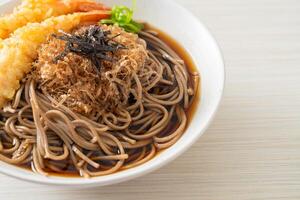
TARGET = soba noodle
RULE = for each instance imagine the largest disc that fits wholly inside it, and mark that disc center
(37, 130)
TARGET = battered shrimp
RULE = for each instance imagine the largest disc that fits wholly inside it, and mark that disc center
(39, 10)
(20, 50)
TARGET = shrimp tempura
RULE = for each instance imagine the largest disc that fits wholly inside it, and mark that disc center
(39, 10)
(20, 50)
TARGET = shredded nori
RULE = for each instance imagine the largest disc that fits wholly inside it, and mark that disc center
(94, 44)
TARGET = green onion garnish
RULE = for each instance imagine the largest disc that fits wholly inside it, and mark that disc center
(122, 16)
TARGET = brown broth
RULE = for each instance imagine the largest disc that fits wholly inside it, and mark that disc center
(194, 81)
(191, 67)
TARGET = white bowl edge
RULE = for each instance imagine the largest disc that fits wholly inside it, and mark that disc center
(160, 160)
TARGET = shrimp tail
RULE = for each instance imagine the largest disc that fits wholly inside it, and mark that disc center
(94, 16)
(86, 6)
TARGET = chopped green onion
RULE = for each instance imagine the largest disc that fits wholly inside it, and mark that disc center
(122, 16)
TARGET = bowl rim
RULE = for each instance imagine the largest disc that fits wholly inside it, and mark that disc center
(143, 169)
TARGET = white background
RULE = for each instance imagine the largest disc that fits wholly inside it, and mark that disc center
(252, 150)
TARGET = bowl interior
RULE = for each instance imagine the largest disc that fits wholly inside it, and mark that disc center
(195, 38)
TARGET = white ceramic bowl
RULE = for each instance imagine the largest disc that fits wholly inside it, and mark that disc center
(189, 32)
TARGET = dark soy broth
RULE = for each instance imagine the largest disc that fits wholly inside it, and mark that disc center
(195, 79)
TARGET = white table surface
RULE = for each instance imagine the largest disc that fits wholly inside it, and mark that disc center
(252, 150)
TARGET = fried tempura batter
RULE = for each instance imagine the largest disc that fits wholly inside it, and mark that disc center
(20, 50)
(39, 10)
